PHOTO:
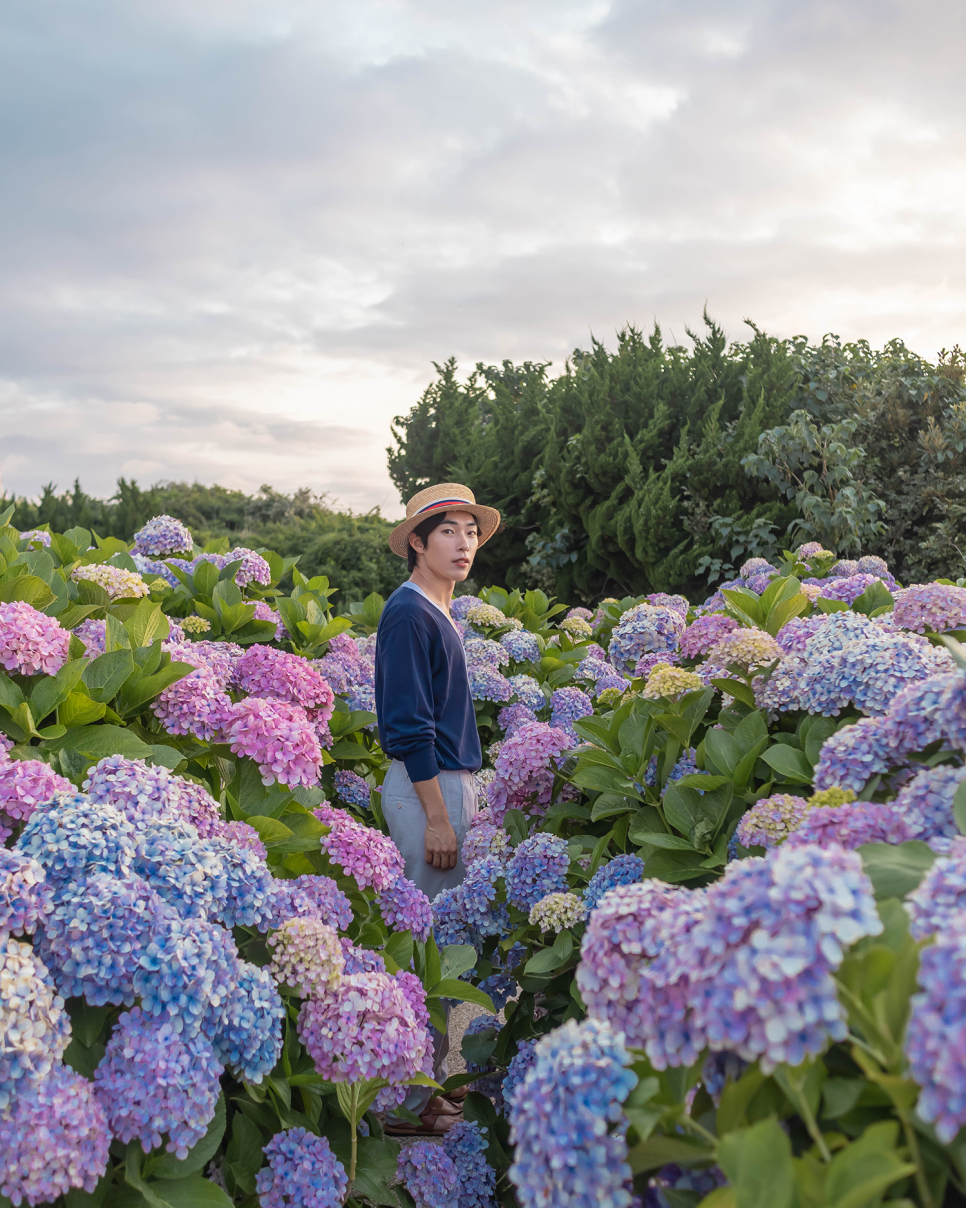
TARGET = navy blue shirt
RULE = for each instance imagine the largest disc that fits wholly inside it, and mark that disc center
(423, 702)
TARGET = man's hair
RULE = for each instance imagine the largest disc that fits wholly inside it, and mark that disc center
(422, 531)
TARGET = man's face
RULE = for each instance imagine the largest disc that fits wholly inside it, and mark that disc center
(450, 548)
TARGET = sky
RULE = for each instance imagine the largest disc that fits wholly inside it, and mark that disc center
(235, 236)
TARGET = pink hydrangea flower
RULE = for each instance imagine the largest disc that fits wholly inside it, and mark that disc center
(195, 705)
(279, 737)
(524, 769)
(277, 675)
(364, 853)
(27, 783)
(366, 1028)
(30, 642)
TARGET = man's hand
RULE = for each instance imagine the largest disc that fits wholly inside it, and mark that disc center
(442, 850)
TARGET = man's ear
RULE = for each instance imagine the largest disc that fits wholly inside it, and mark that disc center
(415, 542)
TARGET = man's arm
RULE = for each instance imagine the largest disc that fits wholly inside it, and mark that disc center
(441, 846)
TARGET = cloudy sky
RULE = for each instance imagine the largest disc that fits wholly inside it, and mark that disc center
(235, 235)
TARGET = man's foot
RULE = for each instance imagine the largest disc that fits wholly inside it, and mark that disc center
(457, 1094)
(436, 1118)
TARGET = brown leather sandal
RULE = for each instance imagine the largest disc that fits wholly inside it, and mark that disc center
(437, 1118)
(457, 1094)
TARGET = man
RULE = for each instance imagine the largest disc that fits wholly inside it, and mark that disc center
(427, 723)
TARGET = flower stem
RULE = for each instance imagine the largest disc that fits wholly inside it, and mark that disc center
(354, 1101)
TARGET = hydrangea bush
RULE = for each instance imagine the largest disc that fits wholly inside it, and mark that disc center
(714, 838)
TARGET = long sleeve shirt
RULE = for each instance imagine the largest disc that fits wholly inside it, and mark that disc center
(423, 702)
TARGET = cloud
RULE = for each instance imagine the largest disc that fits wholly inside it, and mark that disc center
(237, 236)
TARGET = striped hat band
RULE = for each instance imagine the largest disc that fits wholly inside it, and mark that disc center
(444, 503)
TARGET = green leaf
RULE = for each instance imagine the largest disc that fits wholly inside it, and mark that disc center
(662, 1150)
(350, 751)
(449, 987)
(150, 686)
(896, 869)
(105, 675)
(146, 624)
(828, 606)
(98, 741)
(434, 966)
(876, 596)
(959, 806)
(29, 588)
(166, 756)
(859, 1174)
(783, 612)
(194, 1192)
(52, 689)
(745, 602)
(270, 830)
(791, 764)
(455, 959)
(674, 842)
(11, 696)
(400, 946)
(723, 750)
(758, 1163)
(244, 1152)
(737, 689)
(79, 710)
(170, 1167)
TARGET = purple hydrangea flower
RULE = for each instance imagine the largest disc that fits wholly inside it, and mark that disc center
(642, 629)
(517, 1070)
(926, 803)
(94, 636)
(53, 1138)
(848, 589)
(278, 675)
(565, 1157)
(429, 1175)
(524, 768)
(479, 906)
(853, 754)
(311, 897)
(936, 1033)
(852, 825)
(484, 839)
(197, 704)
(771, 820)
(155, 1081)
(705, 632)
(569, 705)
(302, 1172)
(528, 692)
(930, 607)
(163, 537)
(404, 907)
(36, 537)
(465, 1143)
(744, 966)
(486, 683)
(940, 897)
(25, 897)
(34, 1027)
(26, 784)
(512, 717)
(537, 867)
(362, 852)
(913, 717)
(521, 646)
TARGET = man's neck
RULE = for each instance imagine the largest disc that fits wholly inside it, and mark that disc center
(439, 590)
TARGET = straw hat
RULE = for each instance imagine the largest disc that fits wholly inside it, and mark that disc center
(444, 497)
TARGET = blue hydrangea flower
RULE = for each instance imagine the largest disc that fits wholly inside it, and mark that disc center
(302, 1172)
(74, 837)
(486, 683)
(245, 1024)
(854, 754)
(517, 1070)
(537, 867)
(528, 692)
(565, 1157)
(162, 537)
(465, 1143)
(926, 802)
(480, 908)
(521, 646)
(622, 870)
(429, 1175)
(500, 987)
(569, 705)
(352, 789)
(645, 628)
(93, 939)
(450, 925)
